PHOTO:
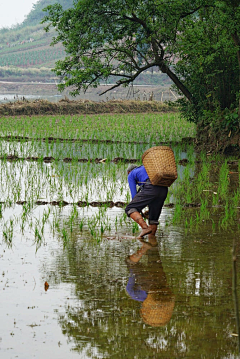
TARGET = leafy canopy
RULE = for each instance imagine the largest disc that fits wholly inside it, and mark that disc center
(117, 39)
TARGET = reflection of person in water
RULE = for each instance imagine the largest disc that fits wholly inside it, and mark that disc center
(148, 284)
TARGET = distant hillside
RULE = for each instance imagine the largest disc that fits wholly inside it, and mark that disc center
(26, 54)
(25, 51)
(36, 14)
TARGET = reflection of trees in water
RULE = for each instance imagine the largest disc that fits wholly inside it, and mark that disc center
(105, 322)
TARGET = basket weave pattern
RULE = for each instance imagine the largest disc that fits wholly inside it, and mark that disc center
(160, 165)
(157, 311)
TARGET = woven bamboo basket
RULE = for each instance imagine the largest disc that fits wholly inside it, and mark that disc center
(157, 310)
(160, 165)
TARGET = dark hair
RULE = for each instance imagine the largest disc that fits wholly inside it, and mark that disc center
(130, 168)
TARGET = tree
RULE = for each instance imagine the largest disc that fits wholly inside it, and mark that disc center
(117, 39)
(230, 20)
(196, 43)
(208, 50)
(207, 63)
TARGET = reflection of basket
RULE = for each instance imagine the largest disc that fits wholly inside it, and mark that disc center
(160, 165)
(157, 310)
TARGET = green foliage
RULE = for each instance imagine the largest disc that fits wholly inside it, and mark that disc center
(114, 39)
(231, 120)
(208, 63)
(19, 34)
(195, 43)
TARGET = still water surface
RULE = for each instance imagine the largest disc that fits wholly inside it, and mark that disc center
(176, 302)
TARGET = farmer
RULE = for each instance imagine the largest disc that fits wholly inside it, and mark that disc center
(148, 195)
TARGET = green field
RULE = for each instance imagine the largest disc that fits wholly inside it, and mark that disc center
(148, 128)
(67, 158)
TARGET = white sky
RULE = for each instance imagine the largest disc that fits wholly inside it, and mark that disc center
(14, 11)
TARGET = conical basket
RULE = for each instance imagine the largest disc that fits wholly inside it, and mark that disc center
(160, 165)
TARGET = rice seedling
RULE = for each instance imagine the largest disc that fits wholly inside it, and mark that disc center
(7, 232)
(177, 213)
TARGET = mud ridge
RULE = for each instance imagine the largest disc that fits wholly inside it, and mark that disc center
(185, 140)
(79, 203)
(109, 204)
(50, 159)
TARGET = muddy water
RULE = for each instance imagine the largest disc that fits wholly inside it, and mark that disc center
(176, 302)
(49, 92)
(67, 291)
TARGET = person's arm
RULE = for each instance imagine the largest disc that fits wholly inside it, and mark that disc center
(132, 184)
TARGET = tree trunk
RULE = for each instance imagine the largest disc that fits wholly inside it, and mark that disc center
(165, 69)
(236, 40)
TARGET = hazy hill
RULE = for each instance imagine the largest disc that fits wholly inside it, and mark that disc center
(36, 15)
(25, 51)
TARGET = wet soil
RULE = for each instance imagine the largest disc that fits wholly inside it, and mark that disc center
(215, 138)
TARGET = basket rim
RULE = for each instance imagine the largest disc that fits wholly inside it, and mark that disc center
(156, 148)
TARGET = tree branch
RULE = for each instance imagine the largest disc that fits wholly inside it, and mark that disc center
(131, 78)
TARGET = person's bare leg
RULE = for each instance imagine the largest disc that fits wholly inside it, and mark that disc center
(136, 216)
(154, 228)
(151, 237)
(135, 257)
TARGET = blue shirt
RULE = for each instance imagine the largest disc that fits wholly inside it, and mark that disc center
(134, 290)
(137, 176)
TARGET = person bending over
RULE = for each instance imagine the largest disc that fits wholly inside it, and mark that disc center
(148, 195)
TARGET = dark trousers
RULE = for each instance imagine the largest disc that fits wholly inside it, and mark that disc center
(151, 196)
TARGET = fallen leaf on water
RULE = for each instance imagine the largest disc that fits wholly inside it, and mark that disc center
(46, 286)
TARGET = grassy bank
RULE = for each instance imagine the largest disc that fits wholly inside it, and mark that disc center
(65, 106)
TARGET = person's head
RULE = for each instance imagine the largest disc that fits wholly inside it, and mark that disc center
(130, 168)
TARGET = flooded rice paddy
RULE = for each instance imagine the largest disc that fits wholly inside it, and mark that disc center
(67, 286)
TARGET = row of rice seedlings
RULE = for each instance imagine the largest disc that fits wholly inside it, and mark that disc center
(73, 223)
(23, 181)
(99, 223)
(58, 181)
(77, 150)
(87, 182)
(149, 128)
(41, 223)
